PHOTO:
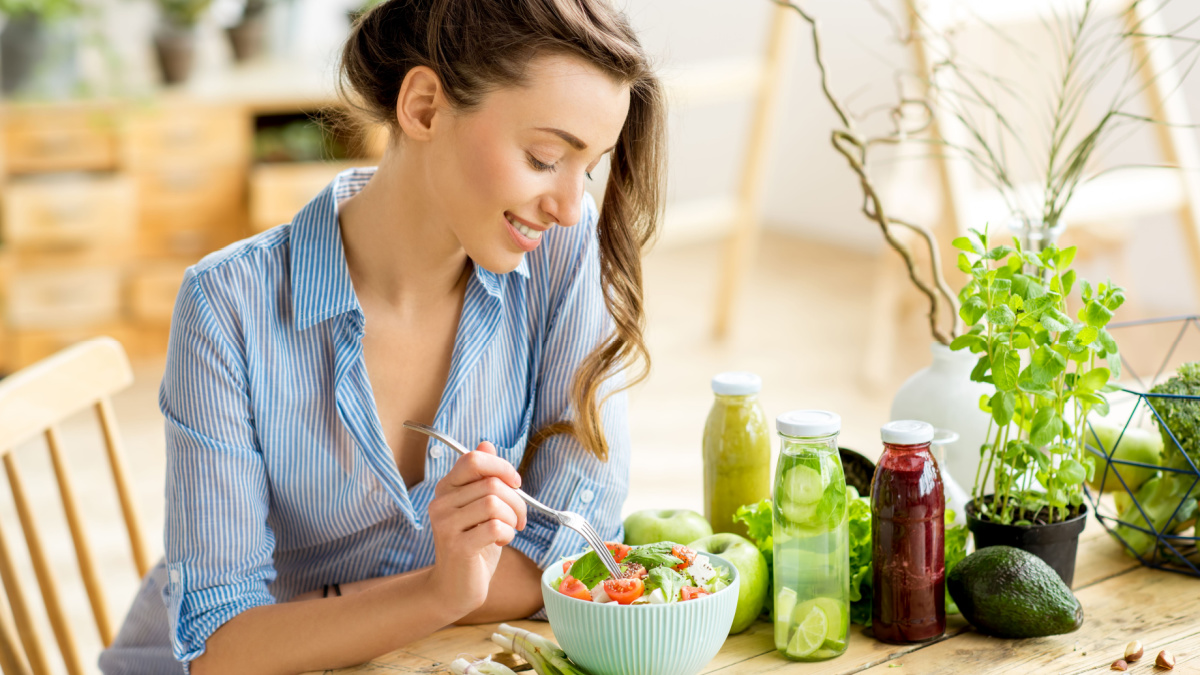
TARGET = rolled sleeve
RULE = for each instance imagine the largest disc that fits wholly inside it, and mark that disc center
(563, 474)
(218, 545)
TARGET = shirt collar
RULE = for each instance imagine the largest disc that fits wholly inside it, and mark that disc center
(320, 278)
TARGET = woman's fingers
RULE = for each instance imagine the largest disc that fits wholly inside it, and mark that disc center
(480, 511)
(483, 463)
(459, 498)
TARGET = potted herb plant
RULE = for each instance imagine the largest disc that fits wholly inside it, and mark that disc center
(246, 36)
(25, 39)
(1049, 371)
(175, 40)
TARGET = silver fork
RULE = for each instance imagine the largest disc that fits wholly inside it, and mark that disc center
(567, 519)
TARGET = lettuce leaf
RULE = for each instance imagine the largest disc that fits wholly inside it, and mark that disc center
(670, 581)
(858, 514)
(956, 550)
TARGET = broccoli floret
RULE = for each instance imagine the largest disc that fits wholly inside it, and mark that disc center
(1181, 416)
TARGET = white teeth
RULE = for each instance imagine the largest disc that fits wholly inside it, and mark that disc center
(525, 230)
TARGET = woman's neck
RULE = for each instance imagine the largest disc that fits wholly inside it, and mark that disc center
(397, 249)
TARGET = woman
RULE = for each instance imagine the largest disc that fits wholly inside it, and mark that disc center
(467, 283)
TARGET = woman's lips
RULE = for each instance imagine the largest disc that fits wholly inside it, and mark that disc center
(526, 237)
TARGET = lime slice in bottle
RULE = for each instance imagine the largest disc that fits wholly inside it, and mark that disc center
(810, 634)
(785, 602)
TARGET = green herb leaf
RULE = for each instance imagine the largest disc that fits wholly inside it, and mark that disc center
(1046, 425)
(1095, 314)
(1002, 316)
(1046, 365)
(1006, 367)
(1093, 379)
(1003, 404)
(1072, 472)
(588, 569)
(973, 310)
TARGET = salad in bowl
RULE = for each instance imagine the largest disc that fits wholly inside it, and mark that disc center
(655, 574)
(685, 604)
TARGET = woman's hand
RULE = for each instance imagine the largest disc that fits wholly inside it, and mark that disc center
(474, 513)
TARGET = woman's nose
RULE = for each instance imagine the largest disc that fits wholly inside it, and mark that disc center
(562, 204)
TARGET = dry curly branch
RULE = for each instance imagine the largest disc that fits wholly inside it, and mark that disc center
(854, 147)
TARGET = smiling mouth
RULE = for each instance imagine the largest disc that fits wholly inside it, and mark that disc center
(525, 230)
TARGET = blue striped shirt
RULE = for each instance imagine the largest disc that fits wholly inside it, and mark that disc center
(279, 478)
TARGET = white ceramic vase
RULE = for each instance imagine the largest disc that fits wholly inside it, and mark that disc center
(944, 395)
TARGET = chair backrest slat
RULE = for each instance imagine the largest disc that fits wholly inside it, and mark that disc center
(33, 402)
(41, 568)
(83, 552)
(116, 460)
(35, 653)
(12, 661)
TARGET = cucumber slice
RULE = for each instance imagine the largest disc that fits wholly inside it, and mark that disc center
(785, 602)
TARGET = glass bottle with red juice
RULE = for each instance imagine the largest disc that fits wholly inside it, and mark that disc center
(908, 531)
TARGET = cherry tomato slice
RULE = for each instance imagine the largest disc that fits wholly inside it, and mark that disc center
(574, 588)
(624, 591)
(691, 593)
(685, 554)
(634, 570)
(618, 550)
(567, 565)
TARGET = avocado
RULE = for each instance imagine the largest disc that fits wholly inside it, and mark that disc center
(1010, 593)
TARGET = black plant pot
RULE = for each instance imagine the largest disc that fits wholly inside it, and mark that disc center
(176, 49)
(22, 46)
(1055, 543)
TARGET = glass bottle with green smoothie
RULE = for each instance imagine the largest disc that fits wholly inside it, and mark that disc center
(737, 450)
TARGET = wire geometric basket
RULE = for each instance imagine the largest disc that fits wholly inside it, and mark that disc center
(1153, 509)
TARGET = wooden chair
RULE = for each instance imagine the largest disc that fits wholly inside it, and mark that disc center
(33, 402)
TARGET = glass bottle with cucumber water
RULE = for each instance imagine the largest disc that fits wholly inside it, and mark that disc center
(812, 539)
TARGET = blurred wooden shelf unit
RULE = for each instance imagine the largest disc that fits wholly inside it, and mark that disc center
(104, 205)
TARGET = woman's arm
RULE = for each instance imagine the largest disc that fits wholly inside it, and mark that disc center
(474, 514)
(515, 591)
(327, 633)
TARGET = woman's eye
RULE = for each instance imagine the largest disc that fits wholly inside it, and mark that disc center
(588, 174)
(540, 165)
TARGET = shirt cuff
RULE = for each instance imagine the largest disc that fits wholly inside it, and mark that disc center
(195, 615)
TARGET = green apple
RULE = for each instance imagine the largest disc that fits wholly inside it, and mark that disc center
(650, 526)
(1137, 445)
(751, 567)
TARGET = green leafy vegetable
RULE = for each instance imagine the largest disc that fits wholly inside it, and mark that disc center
(653, 555)
(859, 519)
(759, 520)
(956, 550)
(670, 581)
(1180, 417)
(589, 570)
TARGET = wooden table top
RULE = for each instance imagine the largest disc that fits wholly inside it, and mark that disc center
(1122, 601)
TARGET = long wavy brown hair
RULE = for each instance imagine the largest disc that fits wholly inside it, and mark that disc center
(477, 46)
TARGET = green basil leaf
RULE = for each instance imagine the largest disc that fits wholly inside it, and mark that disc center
(973, 310)
(1003, 404)
(588, 569)
(1002, 317)
(1072, 472)
(1046, 425)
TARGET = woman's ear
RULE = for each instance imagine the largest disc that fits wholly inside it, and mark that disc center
(419, 102)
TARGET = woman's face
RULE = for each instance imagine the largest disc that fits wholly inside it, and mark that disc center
(514, 167)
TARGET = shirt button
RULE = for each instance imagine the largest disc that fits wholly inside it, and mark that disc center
(586, 496)
(174, 576)
(436, 452)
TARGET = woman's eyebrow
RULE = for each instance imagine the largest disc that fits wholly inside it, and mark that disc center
(571, 139)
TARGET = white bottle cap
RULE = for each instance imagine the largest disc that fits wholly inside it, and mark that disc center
(906, 432)
(736, 384)
(808, 423)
